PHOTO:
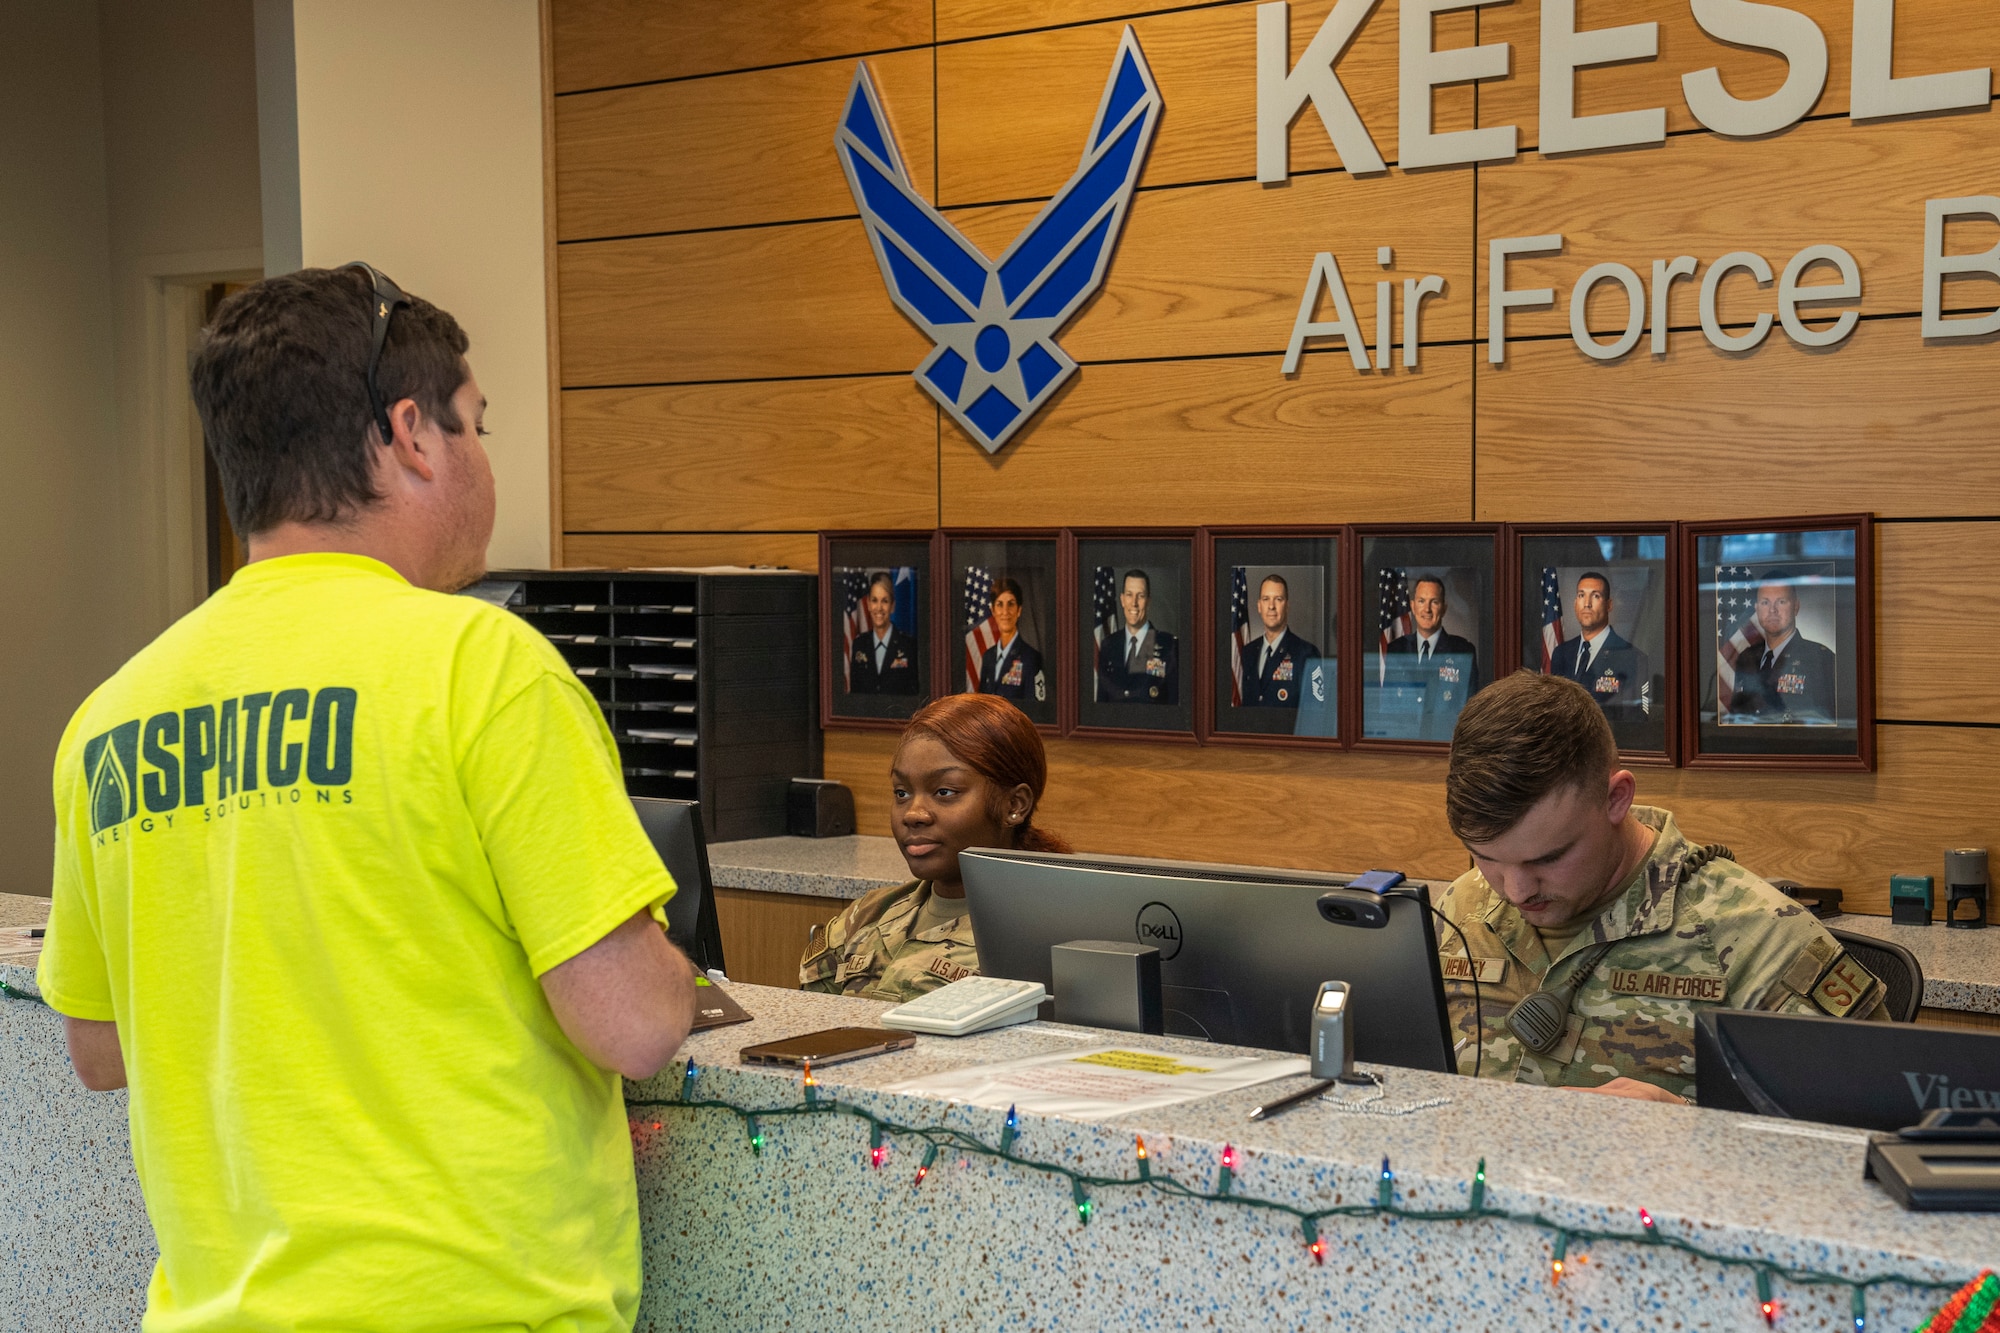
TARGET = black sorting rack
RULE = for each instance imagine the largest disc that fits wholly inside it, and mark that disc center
(706, 677)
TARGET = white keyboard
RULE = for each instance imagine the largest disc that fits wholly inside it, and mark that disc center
(970, 1004)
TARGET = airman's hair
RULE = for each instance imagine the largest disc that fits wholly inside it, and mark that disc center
(997, 741)
(1582, 579)
(1278, 579)
(886, 579)
(1431, 578)
(1519, 739)
(1008, 585)
(1140, 575)
(281, 385)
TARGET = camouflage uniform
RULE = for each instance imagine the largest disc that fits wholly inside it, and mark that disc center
(1723, 936)
(869, 950)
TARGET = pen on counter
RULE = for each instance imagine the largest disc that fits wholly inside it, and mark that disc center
(1287, 1103)
(36, 932)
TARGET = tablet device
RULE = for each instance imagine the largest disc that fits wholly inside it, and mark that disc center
(829, 1047)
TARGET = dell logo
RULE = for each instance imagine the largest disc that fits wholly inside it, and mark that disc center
(1158, 926)
(1935, 1093)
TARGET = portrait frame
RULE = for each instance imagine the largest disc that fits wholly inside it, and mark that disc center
(1231, 555)
(1168, 557)
(1393, 710)
(1530, 547)
(1042, 582)
(1818, 715)
(842, 554)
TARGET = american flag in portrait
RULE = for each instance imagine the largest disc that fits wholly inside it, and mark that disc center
(1738, 638)
(984, 631)
(853, 619)
(1104, 611)
(1241, 631)
(1394, 618)
(1552, 617)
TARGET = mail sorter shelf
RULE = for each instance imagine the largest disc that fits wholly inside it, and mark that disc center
(706, 678)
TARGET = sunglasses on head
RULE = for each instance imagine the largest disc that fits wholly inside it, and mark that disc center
(382, 308)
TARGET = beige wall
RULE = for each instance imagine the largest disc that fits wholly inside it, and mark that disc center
(420, 150)
(67, 551)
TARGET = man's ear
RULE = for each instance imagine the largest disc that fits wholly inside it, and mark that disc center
(1624, 790)
(408, 446)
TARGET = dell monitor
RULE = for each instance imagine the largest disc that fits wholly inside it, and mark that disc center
(1242, 950)
(1841, 1071)
(675, 830)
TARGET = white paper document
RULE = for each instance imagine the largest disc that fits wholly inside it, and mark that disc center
(1100, 1082)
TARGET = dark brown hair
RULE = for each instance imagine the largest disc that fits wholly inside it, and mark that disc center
(997, 741)
(1519, 739)
(281, 382)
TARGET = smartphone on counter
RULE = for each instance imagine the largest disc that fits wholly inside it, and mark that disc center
(828, 1047)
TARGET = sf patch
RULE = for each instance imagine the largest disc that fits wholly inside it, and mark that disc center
(1845, 986)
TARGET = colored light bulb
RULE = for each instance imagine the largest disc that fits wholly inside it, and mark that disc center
(1008, 1129)
(1318, 1249)
(1555, 1272)
(1145, 1163)
(924, 1167)
(1771, 1313)
(1646, 1221)
(1226, 1172)
(687, 1080)
(811, 1085)
(1478, 1200)
(1083, 1204)
(1385, 1189)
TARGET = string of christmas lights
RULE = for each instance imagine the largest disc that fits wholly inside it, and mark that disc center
(14, 993)
(1561, 1235)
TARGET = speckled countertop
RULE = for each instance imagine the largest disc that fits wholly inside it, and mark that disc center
(806, 1235)
(815, 867)
(1961, 967)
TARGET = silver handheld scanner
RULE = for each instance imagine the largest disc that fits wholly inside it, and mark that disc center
(1332, 1031)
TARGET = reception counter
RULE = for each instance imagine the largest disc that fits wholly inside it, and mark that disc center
(806, 1233)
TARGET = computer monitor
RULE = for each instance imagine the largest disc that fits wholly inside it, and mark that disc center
(675, 829)
(1243, 950)
(1841, 1071)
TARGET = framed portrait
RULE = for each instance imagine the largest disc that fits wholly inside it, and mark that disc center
(1429, 627)
(1134, 613)
(1597, 607)
(875, 619)
(1275, 635)
(1783, 643)
(1003, 600)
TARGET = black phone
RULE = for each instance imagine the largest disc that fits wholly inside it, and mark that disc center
(828, 1047)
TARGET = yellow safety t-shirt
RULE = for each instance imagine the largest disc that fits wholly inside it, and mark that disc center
(314, 845)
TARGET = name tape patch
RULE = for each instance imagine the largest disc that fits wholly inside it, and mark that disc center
(1491, 970)
(1668, 985)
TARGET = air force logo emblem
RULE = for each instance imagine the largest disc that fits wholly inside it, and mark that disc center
(994, 322)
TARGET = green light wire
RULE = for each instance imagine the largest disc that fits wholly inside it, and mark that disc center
(970, 1144)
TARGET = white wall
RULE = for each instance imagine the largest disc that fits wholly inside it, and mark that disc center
(419, 132)
(180, 125)
(65, 536)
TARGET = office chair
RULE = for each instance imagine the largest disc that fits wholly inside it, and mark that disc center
(1896, 966)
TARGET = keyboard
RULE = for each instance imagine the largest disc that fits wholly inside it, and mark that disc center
(970, 1004)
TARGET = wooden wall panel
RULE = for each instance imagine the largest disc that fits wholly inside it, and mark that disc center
(1881, 423)
(1190, 279)
(763, 303)
(764, 934)
(780, 455)
(1228, 441)
(1354, 811)
(650, 550)
(1013, 112)
(1934, 582)
(736, 386)
(1861, 187)
(599, 43)
(727, 151)
(1932, 37)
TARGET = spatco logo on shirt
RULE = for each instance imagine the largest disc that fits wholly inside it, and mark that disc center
(260, 743)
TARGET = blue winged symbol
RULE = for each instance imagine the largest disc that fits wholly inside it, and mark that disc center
(994, 321)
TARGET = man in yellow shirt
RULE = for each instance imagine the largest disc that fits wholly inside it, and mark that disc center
(347, 886)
